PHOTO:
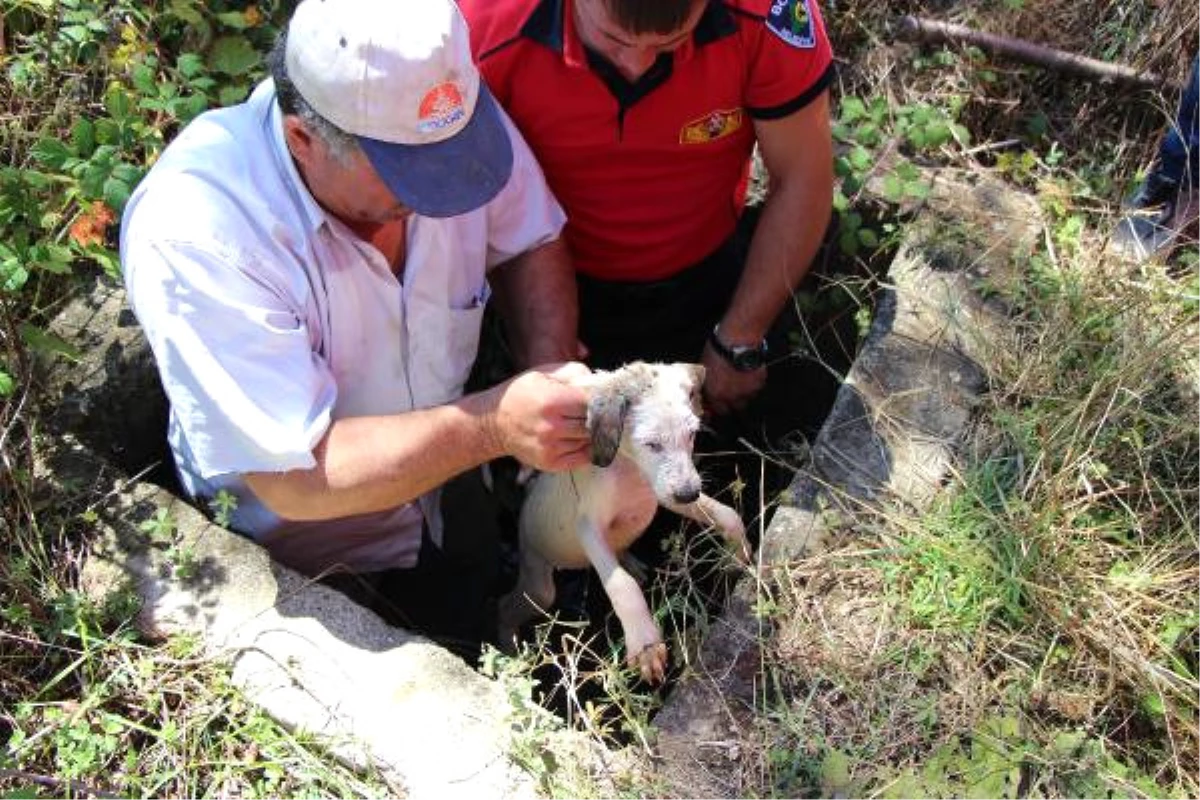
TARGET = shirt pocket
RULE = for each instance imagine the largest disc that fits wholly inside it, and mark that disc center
(445, 342)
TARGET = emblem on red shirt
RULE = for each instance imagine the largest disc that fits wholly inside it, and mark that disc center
(791, 20)
(712, 126)
(441, 107)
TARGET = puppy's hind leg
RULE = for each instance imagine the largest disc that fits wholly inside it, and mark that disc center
(534, 594)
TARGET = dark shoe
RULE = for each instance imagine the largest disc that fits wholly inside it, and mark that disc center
(1153, 220)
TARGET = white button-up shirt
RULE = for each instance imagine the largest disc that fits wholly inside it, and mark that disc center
(269, 318)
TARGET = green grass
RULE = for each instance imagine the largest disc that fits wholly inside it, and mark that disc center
(102, 712)
(962, 566)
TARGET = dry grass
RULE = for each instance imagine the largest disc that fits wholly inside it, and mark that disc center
(1036, 632)
(1064, 628)
(1102, 130)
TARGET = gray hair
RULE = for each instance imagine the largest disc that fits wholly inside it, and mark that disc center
(342, 145)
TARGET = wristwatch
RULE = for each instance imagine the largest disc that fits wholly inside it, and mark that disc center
(743, 358)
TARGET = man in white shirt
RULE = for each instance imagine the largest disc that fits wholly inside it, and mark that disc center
(311, 269)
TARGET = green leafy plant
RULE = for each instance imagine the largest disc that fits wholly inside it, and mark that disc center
(111, 99)
(223, 505)
(160, 527)
(871, 136)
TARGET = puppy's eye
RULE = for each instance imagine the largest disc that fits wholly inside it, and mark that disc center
(654, 447)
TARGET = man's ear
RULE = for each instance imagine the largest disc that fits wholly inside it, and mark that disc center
(300, 140)
(605, 423)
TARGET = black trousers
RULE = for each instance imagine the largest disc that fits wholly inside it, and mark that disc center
(449, 596)
(667, 320)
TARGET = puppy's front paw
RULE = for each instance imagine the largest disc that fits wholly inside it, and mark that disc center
(506, 640)
(650, 661)
(513, 611)
(734, 530)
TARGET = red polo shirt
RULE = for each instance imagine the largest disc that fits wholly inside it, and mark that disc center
(651, 173)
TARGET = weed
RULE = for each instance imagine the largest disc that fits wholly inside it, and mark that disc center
(223, 506)
(868, 133)
(962, 567)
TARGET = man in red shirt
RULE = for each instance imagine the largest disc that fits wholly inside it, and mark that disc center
(643, 115)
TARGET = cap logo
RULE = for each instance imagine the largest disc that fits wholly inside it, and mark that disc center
(441, 107)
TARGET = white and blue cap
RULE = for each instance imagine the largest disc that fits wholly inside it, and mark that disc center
(398, 75)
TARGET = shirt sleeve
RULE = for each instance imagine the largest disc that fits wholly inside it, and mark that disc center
(525, 214)
(235, 358)
(791, 61)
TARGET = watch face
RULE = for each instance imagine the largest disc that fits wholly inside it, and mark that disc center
(741, 357)
(747, 359)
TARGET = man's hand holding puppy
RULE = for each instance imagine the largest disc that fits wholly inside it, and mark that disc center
(540, 418)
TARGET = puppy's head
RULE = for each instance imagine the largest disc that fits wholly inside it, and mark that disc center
(651, 413)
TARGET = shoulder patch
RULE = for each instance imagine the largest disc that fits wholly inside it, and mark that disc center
(791, 20)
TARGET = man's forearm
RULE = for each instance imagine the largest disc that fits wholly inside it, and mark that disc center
(789, 232)
(797, 151)
(537, 299)
(368, 464)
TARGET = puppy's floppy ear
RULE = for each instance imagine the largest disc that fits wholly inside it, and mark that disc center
(605, 423)
(696, 372)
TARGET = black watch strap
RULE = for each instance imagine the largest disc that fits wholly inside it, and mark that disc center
(743, 358)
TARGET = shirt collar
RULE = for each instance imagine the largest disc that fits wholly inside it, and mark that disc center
(552, 25)
(315, 216)
(715, 24)
(545, 24)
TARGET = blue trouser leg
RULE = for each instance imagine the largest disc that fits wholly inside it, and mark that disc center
(1179, 152)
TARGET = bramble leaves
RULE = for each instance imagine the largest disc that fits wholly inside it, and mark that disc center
(233, 55)
(113, 84)
(46, 343)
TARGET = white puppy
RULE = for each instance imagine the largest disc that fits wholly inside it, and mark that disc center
(642, 420)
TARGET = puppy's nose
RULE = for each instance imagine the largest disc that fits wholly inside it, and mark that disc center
(687, 495)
